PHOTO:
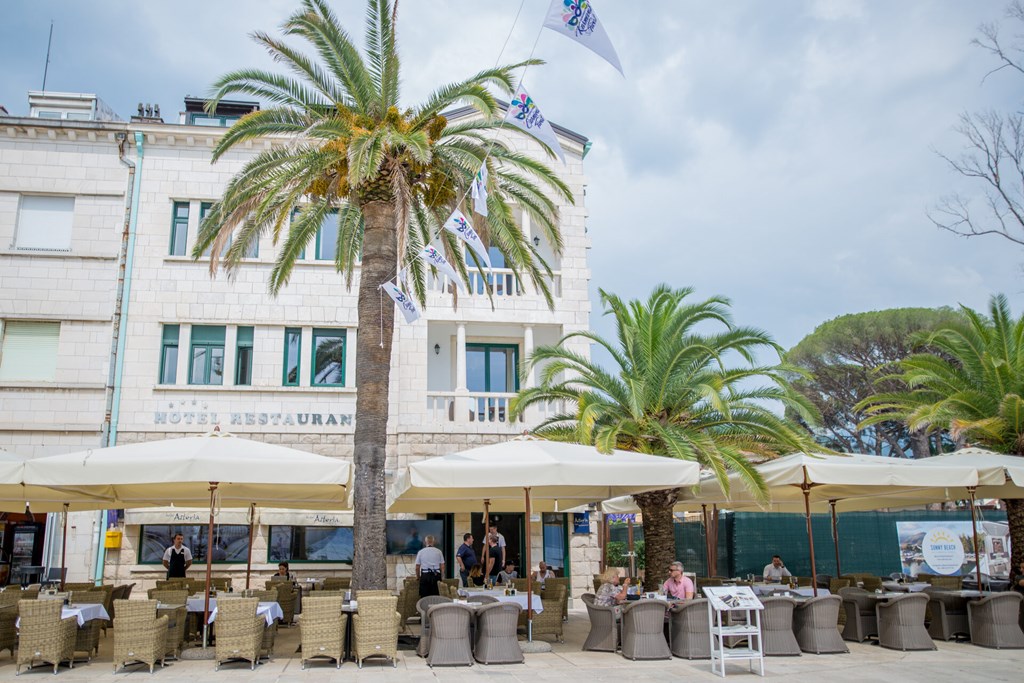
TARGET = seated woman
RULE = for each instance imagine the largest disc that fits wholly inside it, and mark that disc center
(282, 573)
(476, 575)
(611, 594)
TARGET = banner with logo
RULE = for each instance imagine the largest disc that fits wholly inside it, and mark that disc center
(577, 20)
(947, 548)
(460, 227)
(524, 114)
(479, 190)
(435, 258)
(405, 303)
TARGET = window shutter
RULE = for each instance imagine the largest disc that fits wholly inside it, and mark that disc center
(45, 222)
(29, 350)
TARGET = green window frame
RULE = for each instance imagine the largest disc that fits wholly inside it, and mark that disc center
(206, 359)
(305, 544)
(231, 540)
(179, 229)
(200, 119)
(327, 370)
(555, 532)
(169, 354)
(327, 250)
(487, 349)
(243, 356)
(292, 356)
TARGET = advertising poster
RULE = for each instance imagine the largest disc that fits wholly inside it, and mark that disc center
(947, 548)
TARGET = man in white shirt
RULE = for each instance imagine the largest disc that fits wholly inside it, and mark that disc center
(177, 558)
(429, 567)
(493, 531)
(775, 571)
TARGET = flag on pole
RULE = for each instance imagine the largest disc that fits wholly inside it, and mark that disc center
(436, 259)
(479, 190)
(405, 303)
(526, 116)
(577, 20)
(458, 225)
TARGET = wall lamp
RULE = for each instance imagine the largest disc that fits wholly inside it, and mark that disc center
(536, 241)
(437, 349)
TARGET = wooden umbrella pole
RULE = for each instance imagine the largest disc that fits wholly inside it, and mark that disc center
(248, 559)
(631, 552)
(487, 528)
(974, 527)
(835, 537)
(529, 573)
(810, 536)
(63, 546)
(209, 563)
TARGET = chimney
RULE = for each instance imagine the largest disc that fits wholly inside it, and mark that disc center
(147, 113)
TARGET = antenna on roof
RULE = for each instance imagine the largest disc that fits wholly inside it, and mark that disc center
(46, 67)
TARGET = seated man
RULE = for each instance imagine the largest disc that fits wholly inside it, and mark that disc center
(776, 571)
(506, 575)
(677, 586)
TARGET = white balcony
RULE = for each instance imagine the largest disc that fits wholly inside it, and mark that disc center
(502, 281)
(491, 409)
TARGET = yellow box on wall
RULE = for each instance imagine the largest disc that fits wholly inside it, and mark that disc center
(113, 539)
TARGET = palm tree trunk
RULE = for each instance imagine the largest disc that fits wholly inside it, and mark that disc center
(1015, 519)
(659, 534)
(373, 370)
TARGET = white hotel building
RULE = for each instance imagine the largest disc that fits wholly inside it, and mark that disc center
(82, 193)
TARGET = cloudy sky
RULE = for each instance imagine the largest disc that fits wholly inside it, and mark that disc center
(781, 154)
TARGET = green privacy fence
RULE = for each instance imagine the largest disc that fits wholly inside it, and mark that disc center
(747, 540)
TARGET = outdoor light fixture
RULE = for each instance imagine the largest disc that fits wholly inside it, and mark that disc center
(536, 241)
(437, 349)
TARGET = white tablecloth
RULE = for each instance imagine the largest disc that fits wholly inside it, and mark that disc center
(775, 589)
(82, 613)
(269, 610)
(915, 587)
(518, 598)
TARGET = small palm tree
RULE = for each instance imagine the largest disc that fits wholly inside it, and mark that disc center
(971, 382)
(389, 176)
(670, 391)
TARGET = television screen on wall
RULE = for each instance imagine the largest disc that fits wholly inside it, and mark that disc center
(405, 536)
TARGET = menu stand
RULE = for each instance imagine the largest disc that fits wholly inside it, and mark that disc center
(740, 603)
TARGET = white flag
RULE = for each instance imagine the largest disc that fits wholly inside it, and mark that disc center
(405, 304)
(479, 190)
(576, 19)
(436, 259)
(525, 115)
(458, 225)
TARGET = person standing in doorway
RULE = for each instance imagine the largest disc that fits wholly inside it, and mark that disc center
(177, 558)
(499, 561)
(429, 567)
(466, 557)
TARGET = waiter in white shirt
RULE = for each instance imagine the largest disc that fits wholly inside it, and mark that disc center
(429, 567)
(775, 571)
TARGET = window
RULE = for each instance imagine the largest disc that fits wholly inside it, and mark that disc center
(45, 222)
(29, 350)
(254, 248)
(328, 358)
(243, 357)
(48, 114)
(327, 238)
(207, 355)
(169, 355)
(310, 544)
(492, 368)
(214, 121)
(230, 542)
(555, 541)
(292, 344)
(179, 228)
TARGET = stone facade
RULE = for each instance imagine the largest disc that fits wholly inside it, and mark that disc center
(433, 411)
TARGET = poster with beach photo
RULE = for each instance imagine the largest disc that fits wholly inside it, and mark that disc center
(947, 548)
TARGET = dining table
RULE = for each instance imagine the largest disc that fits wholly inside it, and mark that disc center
(82, 613)
(268, 610)
(499, 595)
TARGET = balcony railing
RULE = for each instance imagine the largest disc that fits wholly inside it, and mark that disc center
(502, 281)
(485, 408)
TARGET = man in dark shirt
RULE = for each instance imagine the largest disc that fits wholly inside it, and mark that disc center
(466, 557)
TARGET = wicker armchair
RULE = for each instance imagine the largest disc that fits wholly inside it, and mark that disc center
(8, 630)
(44, 635)
(375, 629)
(337, 583)
(80, 586)
(423, 606)
(482, 599)
(451, 583)
(520, 585)
(449, 635)
(322, 629)
(558, 581)
(643, 630)
(496, 641)
(140, 635)
(287, 596)
(861, 620)
(31, 591)
(901, 623)
(994, 621)
(168, 596)
(360, 595)
(814, 625)
(953, 583)
(265, 595)
(239, 631)
(177, 619)
(549, 621)
(220, 583)
(87, 636)
(946, 614)
(603, 635)
(805, 581)
(871, 583)
(777, 627)
(835, 585)
(688, 629)
(171, 584)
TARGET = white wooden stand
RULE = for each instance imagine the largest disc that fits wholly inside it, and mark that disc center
(740, 603)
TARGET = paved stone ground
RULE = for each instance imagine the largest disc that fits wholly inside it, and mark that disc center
(952, 662)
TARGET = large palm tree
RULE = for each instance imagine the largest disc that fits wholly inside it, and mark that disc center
(671, 390)
(971, 382)
(391, 175)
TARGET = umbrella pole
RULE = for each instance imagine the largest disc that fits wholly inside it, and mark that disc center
(63, 546)
(810, 536)
(529, 573)
(487, 528)
(248, 559)
(707, 542)
(835, 538)
(209, 564)
(632, 553)
(713, 541)
(974, 527)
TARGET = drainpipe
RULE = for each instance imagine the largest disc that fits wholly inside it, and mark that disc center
(119, 323)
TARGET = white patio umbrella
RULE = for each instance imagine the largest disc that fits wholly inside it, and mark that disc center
(528, 473)
(217, 468)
